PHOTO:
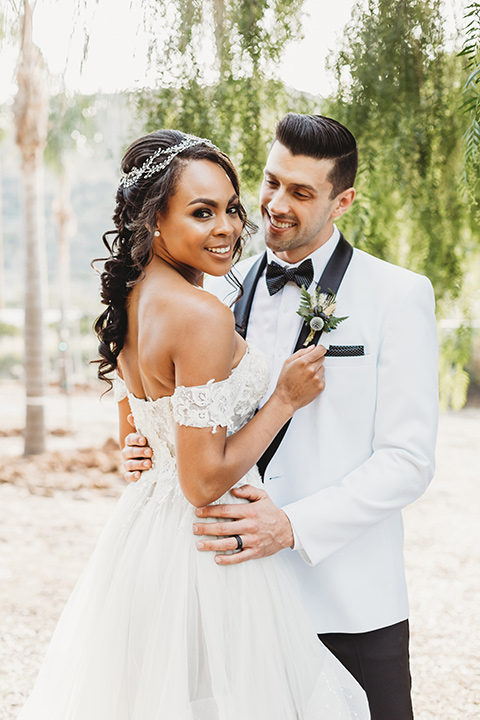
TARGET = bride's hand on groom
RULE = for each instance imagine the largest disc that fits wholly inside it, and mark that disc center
(302, 377)
(263, 527)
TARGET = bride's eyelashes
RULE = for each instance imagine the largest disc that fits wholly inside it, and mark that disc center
(204, 213)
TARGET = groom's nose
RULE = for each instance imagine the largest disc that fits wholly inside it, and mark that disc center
(278, 203)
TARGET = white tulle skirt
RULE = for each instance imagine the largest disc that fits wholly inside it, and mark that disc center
(156, 630)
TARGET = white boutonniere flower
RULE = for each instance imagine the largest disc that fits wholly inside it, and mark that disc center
(317, 308)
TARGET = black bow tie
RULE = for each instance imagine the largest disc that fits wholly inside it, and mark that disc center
(277, 275)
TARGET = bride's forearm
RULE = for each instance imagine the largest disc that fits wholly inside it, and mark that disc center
(207, 473)
(210, 464)
(245, 447)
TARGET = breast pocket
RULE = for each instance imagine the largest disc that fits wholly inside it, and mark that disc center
(348, 361)
(350, 394)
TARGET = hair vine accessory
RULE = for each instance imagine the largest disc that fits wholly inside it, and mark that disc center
(150, 168)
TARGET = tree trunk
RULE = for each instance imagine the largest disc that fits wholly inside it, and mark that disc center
(65, 219)
(31, 115)
(2, 256)
(34, 306)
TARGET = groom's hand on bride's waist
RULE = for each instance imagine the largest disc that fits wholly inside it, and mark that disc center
(262, 527)
(136, 455)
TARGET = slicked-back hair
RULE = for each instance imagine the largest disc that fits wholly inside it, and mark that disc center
(322, 138)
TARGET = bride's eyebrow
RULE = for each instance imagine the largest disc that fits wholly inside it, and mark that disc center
(212, 203)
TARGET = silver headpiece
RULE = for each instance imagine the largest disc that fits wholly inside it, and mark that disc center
(149, 168)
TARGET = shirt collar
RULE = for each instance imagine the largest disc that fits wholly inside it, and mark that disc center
(319, 257)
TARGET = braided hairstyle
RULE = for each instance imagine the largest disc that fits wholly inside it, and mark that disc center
(135, 219)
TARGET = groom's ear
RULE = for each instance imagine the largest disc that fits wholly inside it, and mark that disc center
(343, 201)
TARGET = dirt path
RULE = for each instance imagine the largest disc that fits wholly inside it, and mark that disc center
(51, 515)
(443, 571)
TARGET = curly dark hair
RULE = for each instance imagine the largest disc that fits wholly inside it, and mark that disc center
(135, 219)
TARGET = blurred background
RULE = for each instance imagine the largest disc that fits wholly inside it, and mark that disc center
(79, 80)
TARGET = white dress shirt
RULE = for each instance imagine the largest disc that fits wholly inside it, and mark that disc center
(274, 324)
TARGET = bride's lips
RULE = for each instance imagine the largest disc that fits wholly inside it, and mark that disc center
(220, 251)
(280, 225)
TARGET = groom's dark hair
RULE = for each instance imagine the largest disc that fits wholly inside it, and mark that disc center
(322, 138)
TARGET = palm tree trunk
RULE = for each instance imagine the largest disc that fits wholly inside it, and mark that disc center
(2, 256)
(34, 308)
(65, 219)
(31, 115)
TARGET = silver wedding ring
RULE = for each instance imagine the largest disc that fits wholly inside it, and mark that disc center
(239, 542)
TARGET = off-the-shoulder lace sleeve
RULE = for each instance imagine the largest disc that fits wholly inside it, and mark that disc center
(119, 388)
(204, 406)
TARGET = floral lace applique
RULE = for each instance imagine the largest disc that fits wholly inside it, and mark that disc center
(226, 403)
(203, 406)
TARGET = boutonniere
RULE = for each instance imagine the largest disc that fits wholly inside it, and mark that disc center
(317, 310)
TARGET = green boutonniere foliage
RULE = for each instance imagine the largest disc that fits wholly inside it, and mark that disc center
(317, 310)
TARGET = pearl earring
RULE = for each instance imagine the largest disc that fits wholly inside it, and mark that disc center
(157, 233)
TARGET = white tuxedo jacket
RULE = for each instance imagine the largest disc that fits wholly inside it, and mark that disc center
(362, 451)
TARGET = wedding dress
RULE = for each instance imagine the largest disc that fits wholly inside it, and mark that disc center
(156, 630)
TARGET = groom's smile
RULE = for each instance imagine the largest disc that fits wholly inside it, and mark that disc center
(280, 223)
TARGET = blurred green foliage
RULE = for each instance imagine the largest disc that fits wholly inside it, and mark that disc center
(7, 330)
(455, 352)
(400, 93)
(471, 95)
(236, 99)
(71, 124)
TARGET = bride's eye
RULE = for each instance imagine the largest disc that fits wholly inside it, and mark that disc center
(202, 213)
(233, 210)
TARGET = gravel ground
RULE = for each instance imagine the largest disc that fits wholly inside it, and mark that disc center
(443, 571)
(53, 508)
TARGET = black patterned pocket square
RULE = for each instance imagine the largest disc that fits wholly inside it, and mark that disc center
(345, 350)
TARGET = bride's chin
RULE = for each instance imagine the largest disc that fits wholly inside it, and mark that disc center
(218, 269)
(219, 272)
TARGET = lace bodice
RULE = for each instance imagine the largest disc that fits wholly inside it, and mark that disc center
(227, 403)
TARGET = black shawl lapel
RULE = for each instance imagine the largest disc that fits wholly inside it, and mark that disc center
(331, 278)
(243, 306)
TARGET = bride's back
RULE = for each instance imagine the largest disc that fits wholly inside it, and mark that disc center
(160, 310)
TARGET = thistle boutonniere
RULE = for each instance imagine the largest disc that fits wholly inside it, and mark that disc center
(317, 310)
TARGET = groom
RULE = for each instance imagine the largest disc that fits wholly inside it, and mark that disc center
(351, 460)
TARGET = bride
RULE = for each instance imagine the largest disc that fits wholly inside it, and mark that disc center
(155, 630)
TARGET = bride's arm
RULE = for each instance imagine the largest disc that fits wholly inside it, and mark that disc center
(124, 410)
(210, 463)
(124, 426)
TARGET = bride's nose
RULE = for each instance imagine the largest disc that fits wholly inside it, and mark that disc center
(224, 225)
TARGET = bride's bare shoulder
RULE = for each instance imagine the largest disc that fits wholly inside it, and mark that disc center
(201, 337)
(183, 312)
(204, 310)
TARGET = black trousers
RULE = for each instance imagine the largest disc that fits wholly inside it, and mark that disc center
(379, 661)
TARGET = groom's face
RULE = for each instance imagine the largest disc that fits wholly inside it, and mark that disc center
(296, 203)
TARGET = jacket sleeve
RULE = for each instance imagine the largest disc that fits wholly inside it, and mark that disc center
(403, 452)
